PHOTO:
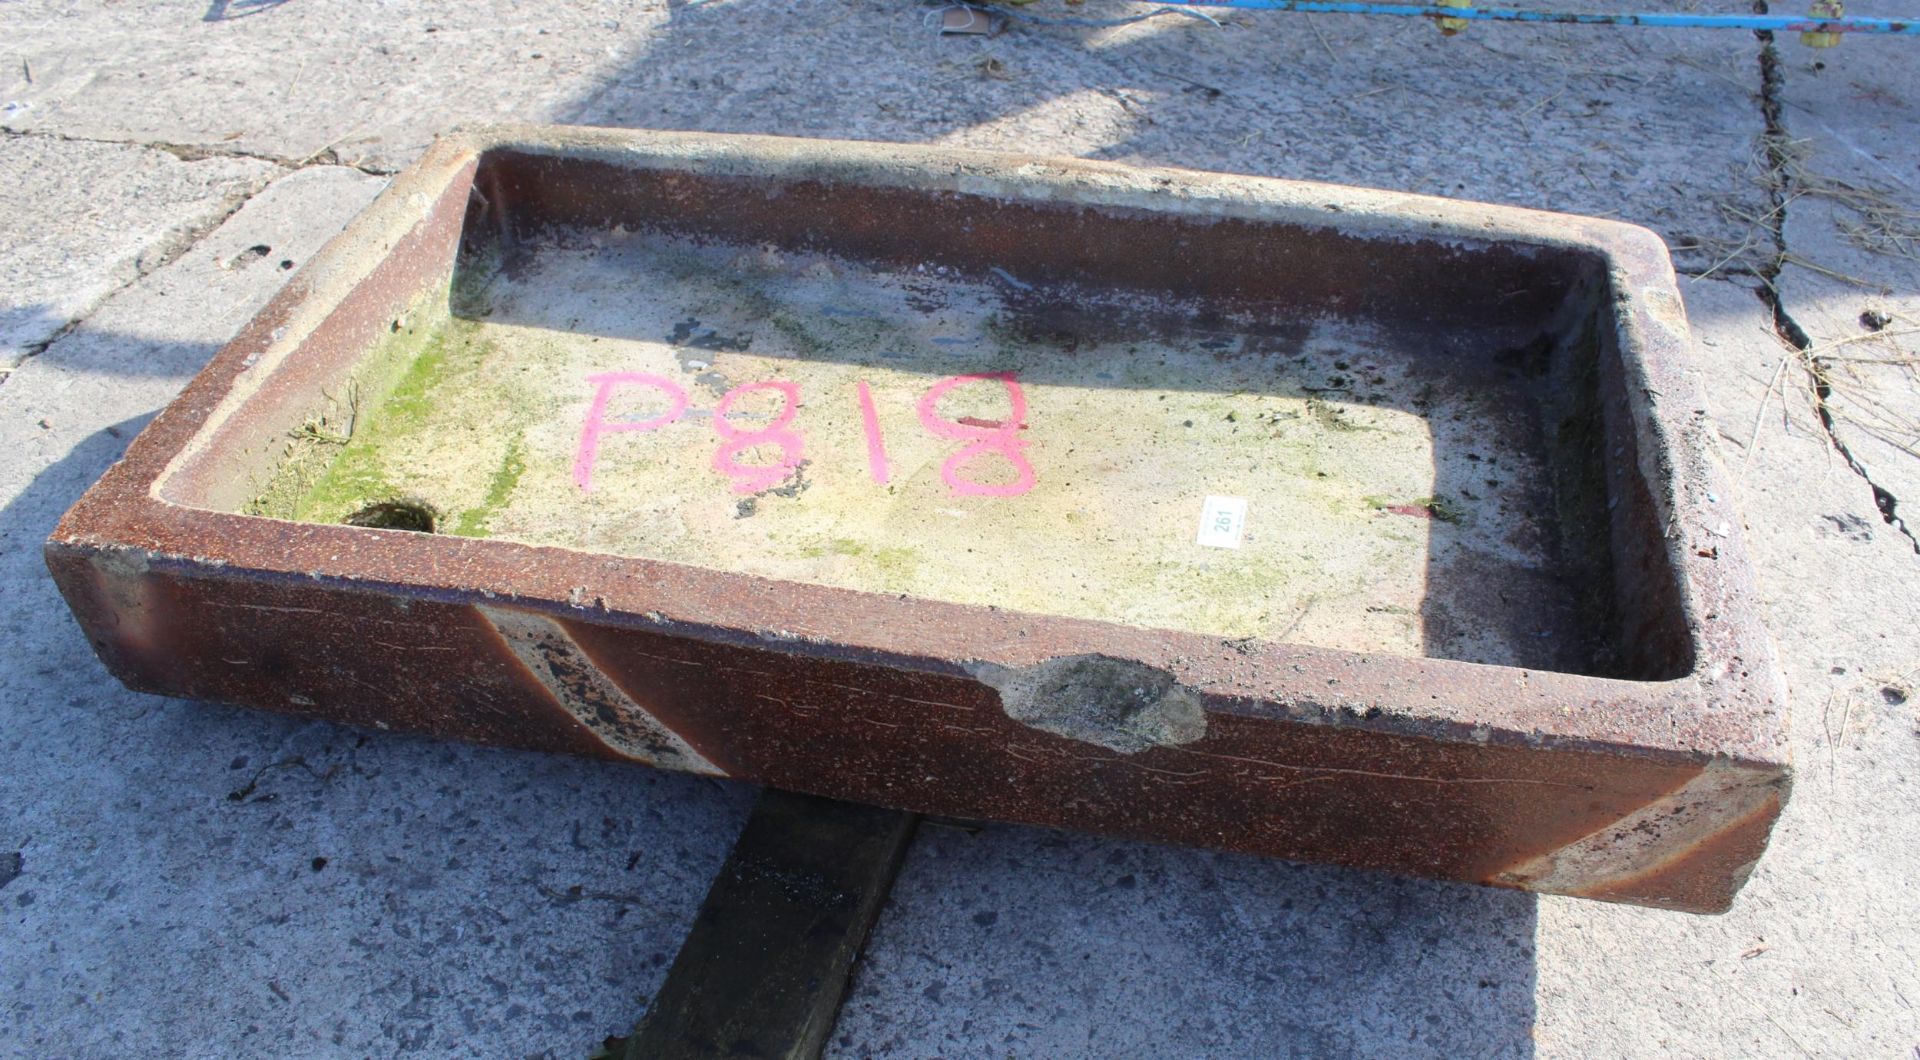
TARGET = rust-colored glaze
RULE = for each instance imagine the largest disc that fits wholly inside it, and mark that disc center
(1233, 262)
(1553, 781)
(354, 657)
(941, 744)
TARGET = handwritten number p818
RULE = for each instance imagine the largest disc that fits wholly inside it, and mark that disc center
(984, 439)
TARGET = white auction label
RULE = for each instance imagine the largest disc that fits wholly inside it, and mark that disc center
(1221, 521)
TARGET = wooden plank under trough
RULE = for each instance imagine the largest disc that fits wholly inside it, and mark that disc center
(764, 968)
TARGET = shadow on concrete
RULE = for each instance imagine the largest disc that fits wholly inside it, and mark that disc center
(1531, 116)
(1017, 941)
(377, 893)
(29, 328)
(228, 10)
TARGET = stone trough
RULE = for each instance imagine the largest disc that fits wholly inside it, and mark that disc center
(1316, 522)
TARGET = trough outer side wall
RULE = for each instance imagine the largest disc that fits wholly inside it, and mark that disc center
(928, 737)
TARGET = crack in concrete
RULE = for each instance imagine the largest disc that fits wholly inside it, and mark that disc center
(326, 156)
(1774, 141)
(178, 243)
(166, 253)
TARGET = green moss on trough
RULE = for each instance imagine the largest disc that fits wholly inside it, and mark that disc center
(357, 477)
(473, 522)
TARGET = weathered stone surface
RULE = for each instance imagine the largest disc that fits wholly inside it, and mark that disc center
(1642, 761)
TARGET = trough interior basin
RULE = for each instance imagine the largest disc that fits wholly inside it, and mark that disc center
(1243, 428)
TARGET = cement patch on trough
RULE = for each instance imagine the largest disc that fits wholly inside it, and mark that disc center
(1113, 703)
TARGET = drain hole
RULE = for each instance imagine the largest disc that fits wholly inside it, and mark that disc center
(395, 515)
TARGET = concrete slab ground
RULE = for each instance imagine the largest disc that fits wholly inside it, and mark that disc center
(191, 880)
(1656, 128)
(87, 218)
(359, 84)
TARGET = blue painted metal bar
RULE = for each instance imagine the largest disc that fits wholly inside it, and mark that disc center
(1676, 20)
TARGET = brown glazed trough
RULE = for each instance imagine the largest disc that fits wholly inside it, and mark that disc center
(1329, 524)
